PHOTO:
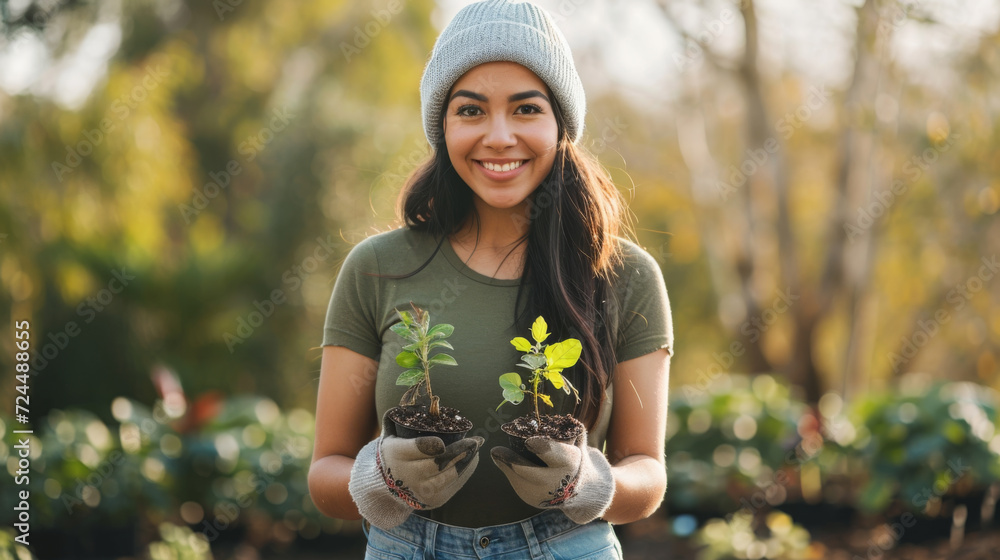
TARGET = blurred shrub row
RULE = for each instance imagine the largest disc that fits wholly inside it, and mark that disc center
(747, 443)
(740, 444)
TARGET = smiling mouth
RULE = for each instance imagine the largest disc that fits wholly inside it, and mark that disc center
(506, 167)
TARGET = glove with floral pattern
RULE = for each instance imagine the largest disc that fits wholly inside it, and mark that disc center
(577, 478)
(393, 476)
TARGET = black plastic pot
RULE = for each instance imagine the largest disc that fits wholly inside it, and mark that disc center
(516, 443)
(407, 432)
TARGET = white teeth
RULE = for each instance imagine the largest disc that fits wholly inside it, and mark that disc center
(501, 168)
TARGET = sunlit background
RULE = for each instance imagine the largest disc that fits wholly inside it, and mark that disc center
(819, 182)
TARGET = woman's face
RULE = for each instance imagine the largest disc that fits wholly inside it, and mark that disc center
(501, 132)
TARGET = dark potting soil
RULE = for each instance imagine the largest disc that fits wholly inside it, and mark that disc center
(418, 418)
(560, 428)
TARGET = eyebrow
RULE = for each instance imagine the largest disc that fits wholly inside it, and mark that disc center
(515, 97)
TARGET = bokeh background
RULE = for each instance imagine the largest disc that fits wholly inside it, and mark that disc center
(819, 182)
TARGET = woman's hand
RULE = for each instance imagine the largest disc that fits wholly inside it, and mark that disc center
(577, 478)
(393, 476)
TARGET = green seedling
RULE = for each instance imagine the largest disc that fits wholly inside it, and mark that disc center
(546, 362)
(415, 328)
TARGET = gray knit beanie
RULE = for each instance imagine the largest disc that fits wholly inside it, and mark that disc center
(502, 31)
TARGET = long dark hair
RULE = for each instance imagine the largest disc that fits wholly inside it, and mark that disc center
(571, 226)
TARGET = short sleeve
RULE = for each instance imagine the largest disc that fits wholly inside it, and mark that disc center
(645, 321)
(350, 317)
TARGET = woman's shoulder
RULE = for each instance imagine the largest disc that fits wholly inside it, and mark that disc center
(634, 258)
(394, 246)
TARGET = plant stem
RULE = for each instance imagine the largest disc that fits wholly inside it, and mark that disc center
(434, 410)
(538, 417)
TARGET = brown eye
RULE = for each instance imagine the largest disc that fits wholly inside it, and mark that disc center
(468, 111)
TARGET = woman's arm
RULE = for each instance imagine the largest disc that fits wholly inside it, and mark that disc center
(345, 422)
(636, 435)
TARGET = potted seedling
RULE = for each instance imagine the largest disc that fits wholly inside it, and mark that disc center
(413, 419)
(546, 363)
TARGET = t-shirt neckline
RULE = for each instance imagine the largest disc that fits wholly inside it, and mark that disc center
(460, 266)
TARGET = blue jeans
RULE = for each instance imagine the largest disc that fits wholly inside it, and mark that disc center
(547, 536)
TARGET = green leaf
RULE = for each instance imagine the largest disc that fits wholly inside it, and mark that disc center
(440, 344)
(539, 330)
(512, 392)
(521, 344)
(510, 381)
(535, 361)
(412, 347)
(407, 359)
(404, 331)
(405, 317)
(410, 377)
(441, 331)
(562, 355)
(555, 377)
(442, 359)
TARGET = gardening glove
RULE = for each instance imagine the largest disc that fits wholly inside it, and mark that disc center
(577, 478)
(392, 476)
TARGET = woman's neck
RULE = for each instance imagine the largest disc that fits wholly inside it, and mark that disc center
(494, 229)
(491, 241)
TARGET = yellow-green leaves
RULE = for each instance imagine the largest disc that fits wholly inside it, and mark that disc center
(539, 330)
(555, 378)
(562, 355)
(521, 344)
(546, 364)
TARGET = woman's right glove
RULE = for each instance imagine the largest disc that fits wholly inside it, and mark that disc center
(394, 476)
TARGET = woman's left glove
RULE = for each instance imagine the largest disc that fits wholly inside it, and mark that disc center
(577, 478)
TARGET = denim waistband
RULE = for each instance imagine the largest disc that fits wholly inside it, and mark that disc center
(511, 537)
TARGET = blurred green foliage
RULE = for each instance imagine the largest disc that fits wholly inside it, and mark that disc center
(726, 437)
(10, 550)
(738, 539)
(917, 445)
(179, 543)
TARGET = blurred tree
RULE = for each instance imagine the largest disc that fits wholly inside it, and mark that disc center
(841, 281)
(192, 209)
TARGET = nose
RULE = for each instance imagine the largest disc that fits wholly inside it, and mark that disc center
(499, 134)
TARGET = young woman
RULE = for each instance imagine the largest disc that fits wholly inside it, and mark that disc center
(508, 220)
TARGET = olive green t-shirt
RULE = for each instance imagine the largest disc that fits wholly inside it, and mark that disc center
(481, 308)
